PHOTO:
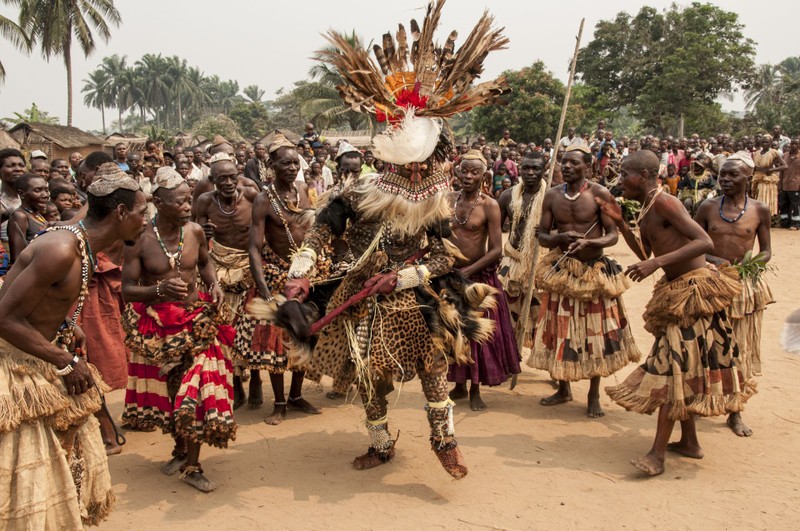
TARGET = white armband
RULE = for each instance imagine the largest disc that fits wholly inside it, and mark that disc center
(411, 277)
(304, 263)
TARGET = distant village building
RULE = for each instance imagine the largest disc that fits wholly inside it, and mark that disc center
(56, 141)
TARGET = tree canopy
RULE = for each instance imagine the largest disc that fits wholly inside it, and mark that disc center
(664, 64)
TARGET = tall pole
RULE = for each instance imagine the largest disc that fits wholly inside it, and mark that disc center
(522, 325)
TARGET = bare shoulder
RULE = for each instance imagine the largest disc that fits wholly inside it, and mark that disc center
(250, 192)
(505, 198)
(195, 230)
(204, 200)
(707, 206)
(668, 206)
(53, 250)
(761, 207)
(489, 201)
(18, 216)
(601, 191)
(248, 184)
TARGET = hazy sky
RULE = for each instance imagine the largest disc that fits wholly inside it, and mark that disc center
(270, 43)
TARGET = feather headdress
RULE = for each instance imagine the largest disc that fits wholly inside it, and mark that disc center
(414, 87)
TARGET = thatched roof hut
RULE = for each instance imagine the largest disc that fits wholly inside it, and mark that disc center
(57, 141)
(270, 138)
(361, 138)
(8, 141)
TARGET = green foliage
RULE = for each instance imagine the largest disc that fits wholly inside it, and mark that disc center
(662, 64)
(773, 96)
(217, 124)
(55, 25)
(533, 110)
(34, 114)
(752, 266)
(252, 119)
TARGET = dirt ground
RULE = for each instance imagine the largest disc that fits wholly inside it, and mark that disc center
(530, 466)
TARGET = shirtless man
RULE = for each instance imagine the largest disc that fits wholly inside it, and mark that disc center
(225, 215)
(38, 340)
(205, 185)
(476, 223)
(694, 342)
(281, 217)
(734, 221)
(160, 276)
(581, 284)
(28, 219)
(517, 264)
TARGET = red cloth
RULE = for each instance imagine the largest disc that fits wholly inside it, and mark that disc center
(100, 321)
(202, 408)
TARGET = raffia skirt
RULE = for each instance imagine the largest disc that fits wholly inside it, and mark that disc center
(582, 330)
(746, 314)
(53, 465)
(692, 366)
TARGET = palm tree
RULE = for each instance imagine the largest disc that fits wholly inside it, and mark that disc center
(182, 85)
(323, 102)
(14, 33)
(254, 93)
(53, 24)
(153, 71)
(97, 93)
(114, 68)
(765, 89)
(32, 115)
(228, 95)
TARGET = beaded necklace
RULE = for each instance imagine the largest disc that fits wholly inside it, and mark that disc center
(455, 206)
(36, 215)
(67, 330)
(174, 258)
(576, 196)
(280, 200)
(278, 207)
(722, 214)
(236, 199)
(88, 245)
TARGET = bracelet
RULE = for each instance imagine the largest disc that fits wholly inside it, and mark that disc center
(159, 293)
(69, 367)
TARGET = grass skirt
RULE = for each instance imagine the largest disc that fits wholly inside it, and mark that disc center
(746, 314)
(582, 330)
(53, 467)
(179, 378)
(692, 366)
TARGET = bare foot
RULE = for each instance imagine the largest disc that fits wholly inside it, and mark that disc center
(451, 459)
(459, 392)
(238, 392)
(556, 398)
(649, 464)
(680, 447)
(301, 404)
(278, 414)
(593, 409)
(373, 458)
(112, 448)
(738, 427)
(173, 465)
(199, 481)
(334, 395)
(475, 401)
(256, 399)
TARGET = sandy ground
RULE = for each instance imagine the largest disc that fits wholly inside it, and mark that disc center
(530, 466)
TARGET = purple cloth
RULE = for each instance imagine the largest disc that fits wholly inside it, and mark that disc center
(497, 359)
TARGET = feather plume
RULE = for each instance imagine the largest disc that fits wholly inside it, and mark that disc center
(402, 46)
(389, 51)
(381, 57)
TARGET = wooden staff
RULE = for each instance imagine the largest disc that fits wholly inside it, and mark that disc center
(522, 325)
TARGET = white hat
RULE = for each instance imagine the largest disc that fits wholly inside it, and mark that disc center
(38, 154)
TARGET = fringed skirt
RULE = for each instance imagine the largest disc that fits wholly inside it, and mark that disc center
(692, 367)
(234, 277)
(746, 314)
(53, 466)
(582, 330)
(259, 344)
(512, 275)
(179, 378)
(767, 191)
(497, 359)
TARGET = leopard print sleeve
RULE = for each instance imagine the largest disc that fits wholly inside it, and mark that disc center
(438, 261)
